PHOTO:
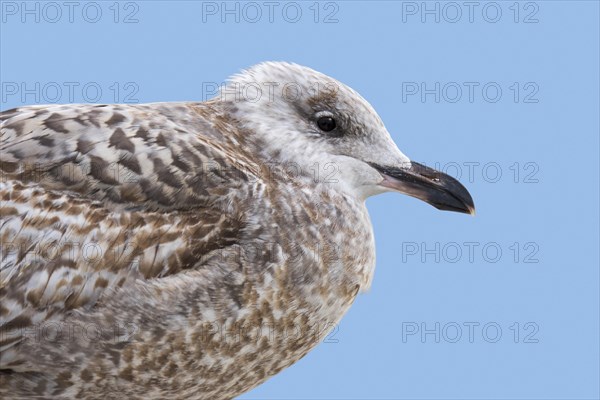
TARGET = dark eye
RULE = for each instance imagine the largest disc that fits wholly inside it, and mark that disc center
(326, 124)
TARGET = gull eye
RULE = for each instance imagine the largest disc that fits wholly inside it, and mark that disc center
(326, 124)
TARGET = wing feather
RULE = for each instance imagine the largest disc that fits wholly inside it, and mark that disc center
(94, 197)
(162, 156)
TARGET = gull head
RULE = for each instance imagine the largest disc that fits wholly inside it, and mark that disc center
(325, 132)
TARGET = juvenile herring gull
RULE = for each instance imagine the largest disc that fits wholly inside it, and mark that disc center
(190, 250)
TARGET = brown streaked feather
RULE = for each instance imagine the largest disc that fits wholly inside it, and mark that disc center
(123, 154)
(89, 204)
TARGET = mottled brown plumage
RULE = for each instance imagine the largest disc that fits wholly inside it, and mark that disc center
(182, 250)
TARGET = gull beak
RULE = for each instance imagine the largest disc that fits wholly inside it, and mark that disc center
(434, 187)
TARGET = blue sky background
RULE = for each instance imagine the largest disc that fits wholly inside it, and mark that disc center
(530, 160)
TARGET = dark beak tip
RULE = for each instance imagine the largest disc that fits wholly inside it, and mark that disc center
(467, 202)
(467, 206)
